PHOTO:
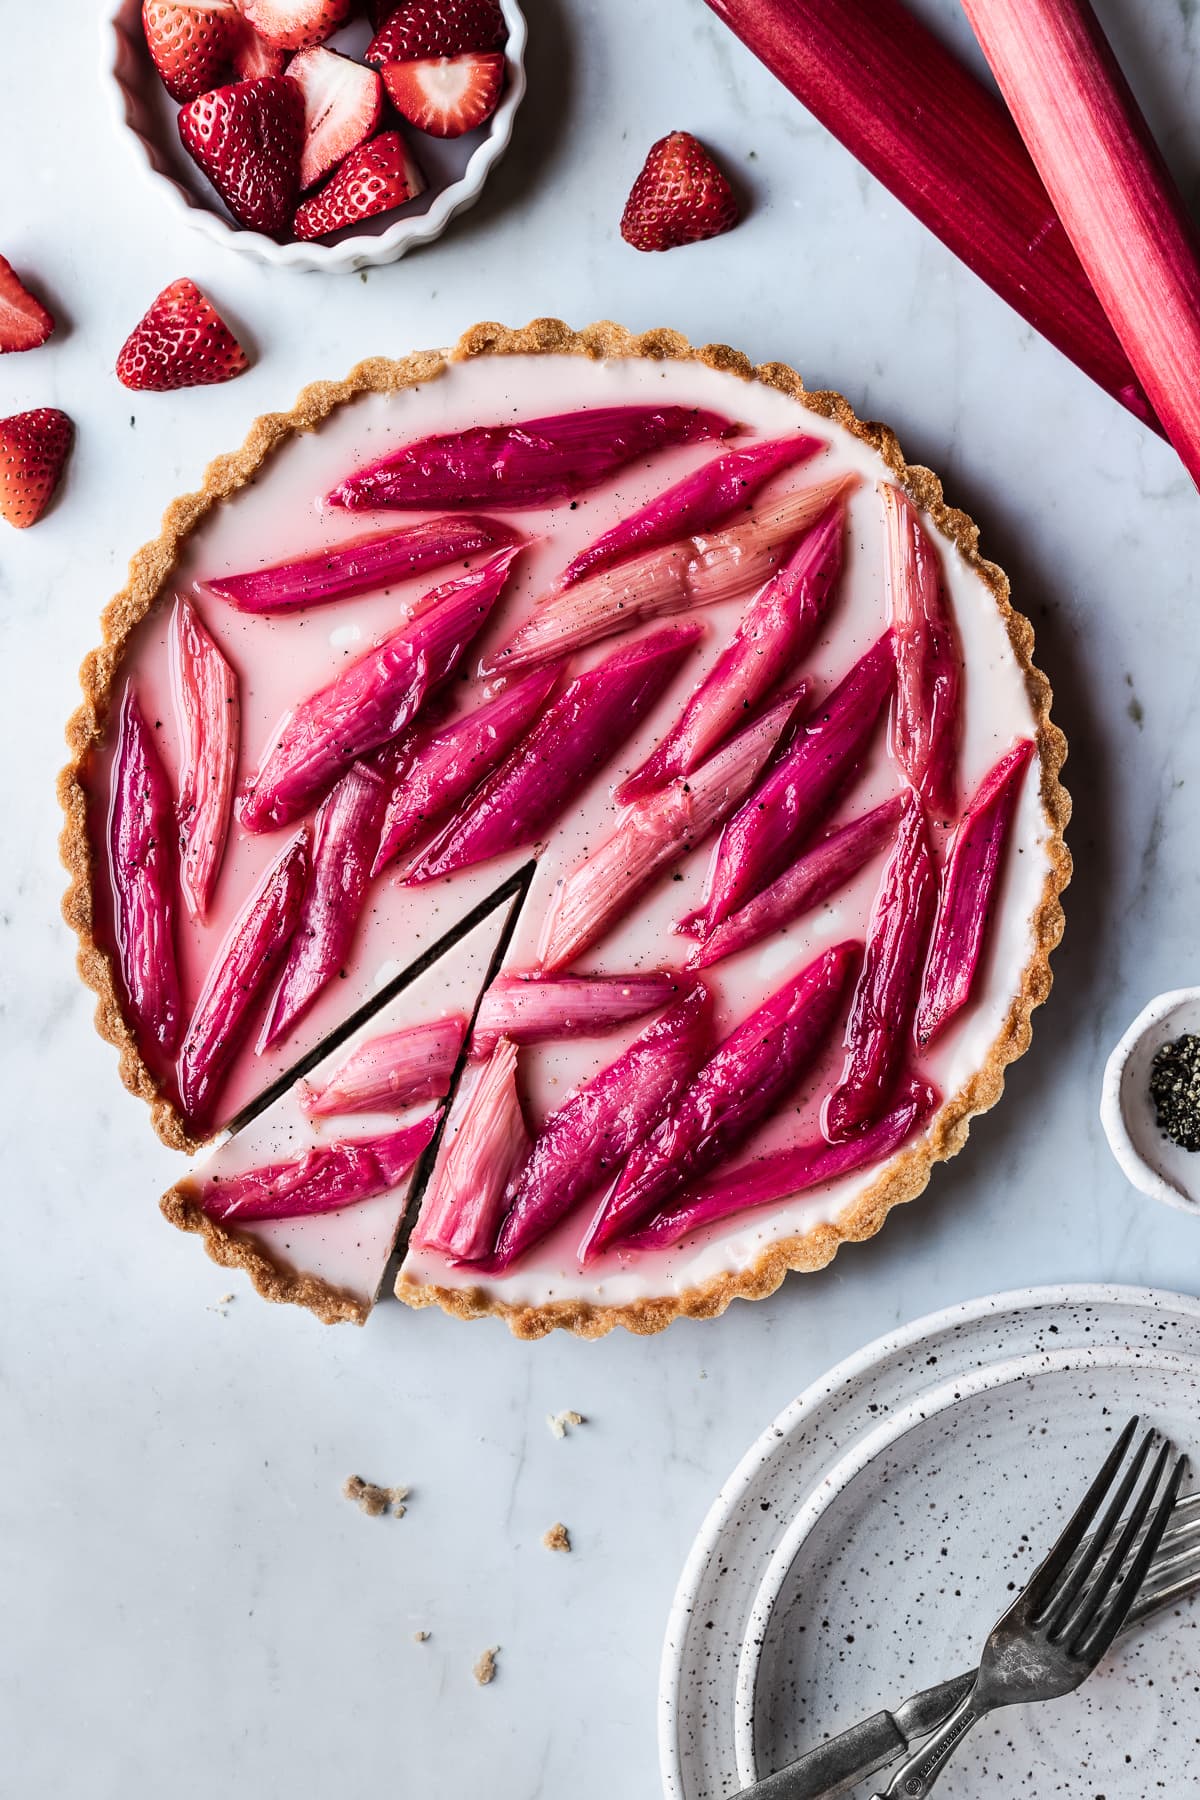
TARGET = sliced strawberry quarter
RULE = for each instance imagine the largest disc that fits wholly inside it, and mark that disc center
(342, 104)
(447, 95)
(422, 28)
(24, 321)
(34, 446)
(181, 341)
(192, 46)
(376, 178)
(296, 24)
(246, 138)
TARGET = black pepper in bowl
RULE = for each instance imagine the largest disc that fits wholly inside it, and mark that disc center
(1175, 1090)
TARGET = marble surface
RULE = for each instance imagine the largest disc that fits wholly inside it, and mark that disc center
(191, 1606)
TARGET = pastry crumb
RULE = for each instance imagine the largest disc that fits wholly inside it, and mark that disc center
(558, 1422)
(557, 1538)
(375, 1500)
(225, 1301)
(420, 1637)
(485, 1668)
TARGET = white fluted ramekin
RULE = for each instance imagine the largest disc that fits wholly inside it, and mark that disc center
(146, 113)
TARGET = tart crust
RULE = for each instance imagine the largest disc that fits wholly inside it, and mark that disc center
(150, 570)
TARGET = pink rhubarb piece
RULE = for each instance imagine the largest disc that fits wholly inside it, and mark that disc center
(141, 854)
(207, 705)
(485, 1149)
(881, 1013)
(325, 1179)
(390, 1072)
(926, 719)
(533, 1008)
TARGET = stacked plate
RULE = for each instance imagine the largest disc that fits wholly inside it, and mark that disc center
(869, 1539)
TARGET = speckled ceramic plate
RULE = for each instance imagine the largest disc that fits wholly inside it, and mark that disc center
(868, 1540)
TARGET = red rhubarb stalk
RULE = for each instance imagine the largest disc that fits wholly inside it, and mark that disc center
(654, 833)
(696, 571)
(589, 1136)
(441, 768)
(812, 878)
(778, 627)
(141, 856)
(926, 719)
(326, 1178)
(370, 701)
(762, 838)
(239, 975)
(702, 501)
(205, 689)
(745, 1082)
(935, 137)
(784, 1174)
(359, 566)
(968, 888)
(532, 1008)
(885, 999)
(345, 834)
(547, 771)
(1112, 191)
(390, 1072)
(485, 1148)
(532, 463)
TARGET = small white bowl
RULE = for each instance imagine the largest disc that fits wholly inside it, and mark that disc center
(456, 168)
(1151, 1161)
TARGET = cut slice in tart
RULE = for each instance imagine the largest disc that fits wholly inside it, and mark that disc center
(691, 662)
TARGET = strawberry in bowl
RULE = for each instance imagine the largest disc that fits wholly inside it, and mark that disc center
(290, 131)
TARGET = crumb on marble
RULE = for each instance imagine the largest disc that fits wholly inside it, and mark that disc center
(375, 1500)
(557, 1538)
(485, 1668)
(558, 1422)
(420, 1637)
(225, 1301)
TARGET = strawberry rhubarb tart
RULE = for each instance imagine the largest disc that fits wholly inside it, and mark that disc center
(571, 819)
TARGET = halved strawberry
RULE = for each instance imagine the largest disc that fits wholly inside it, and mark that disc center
(33, 448)
(296, 24)
(342, 104)
(246, 138)
(24, 321)
(446, 95)
(376, 177)
(253, 57)
(191, 45)
(182, 341)
(680, 197)
(422, 28)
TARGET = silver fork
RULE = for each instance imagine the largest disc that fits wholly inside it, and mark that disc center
(1065, 1619)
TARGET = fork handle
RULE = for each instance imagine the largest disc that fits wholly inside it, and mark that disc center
(918, 1772)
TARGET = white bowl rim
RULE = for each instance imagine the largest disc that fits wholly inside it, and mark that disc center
(1134, 1166)
(354, 253)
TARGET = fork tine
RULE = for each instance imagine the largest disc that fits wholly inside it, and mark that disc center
(1064, 1596)
(1104, 1613)
(1041, 1582)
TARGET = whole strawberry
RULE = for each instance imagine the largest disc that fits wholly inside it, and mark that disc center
(181, 342)
(680, 197)
(424, 28)
(247, 138)
(33, 448)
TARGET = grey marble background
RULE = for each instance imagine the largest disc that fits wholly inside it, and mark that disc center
(189, 1606)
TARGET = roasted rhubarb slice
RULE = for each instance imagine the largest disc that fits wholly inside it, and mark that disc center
(440, 769)
(926, 719)
(141, 856)
(532, 463)
(345, 836)
(575, 737)
(359, 566)
(485, 1149)
(390, 1072)
(654, 833)
(589, 1136)
(370, 701)
(702, 501)
(828, 866)
(748, 1078)
(788, 803)
(238, 976)
(787, 1173)
(697, 571)
(205, 689)
(968, 889)
(532, 1008)
(885, 999)
(777, 629)
(326, 1178)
